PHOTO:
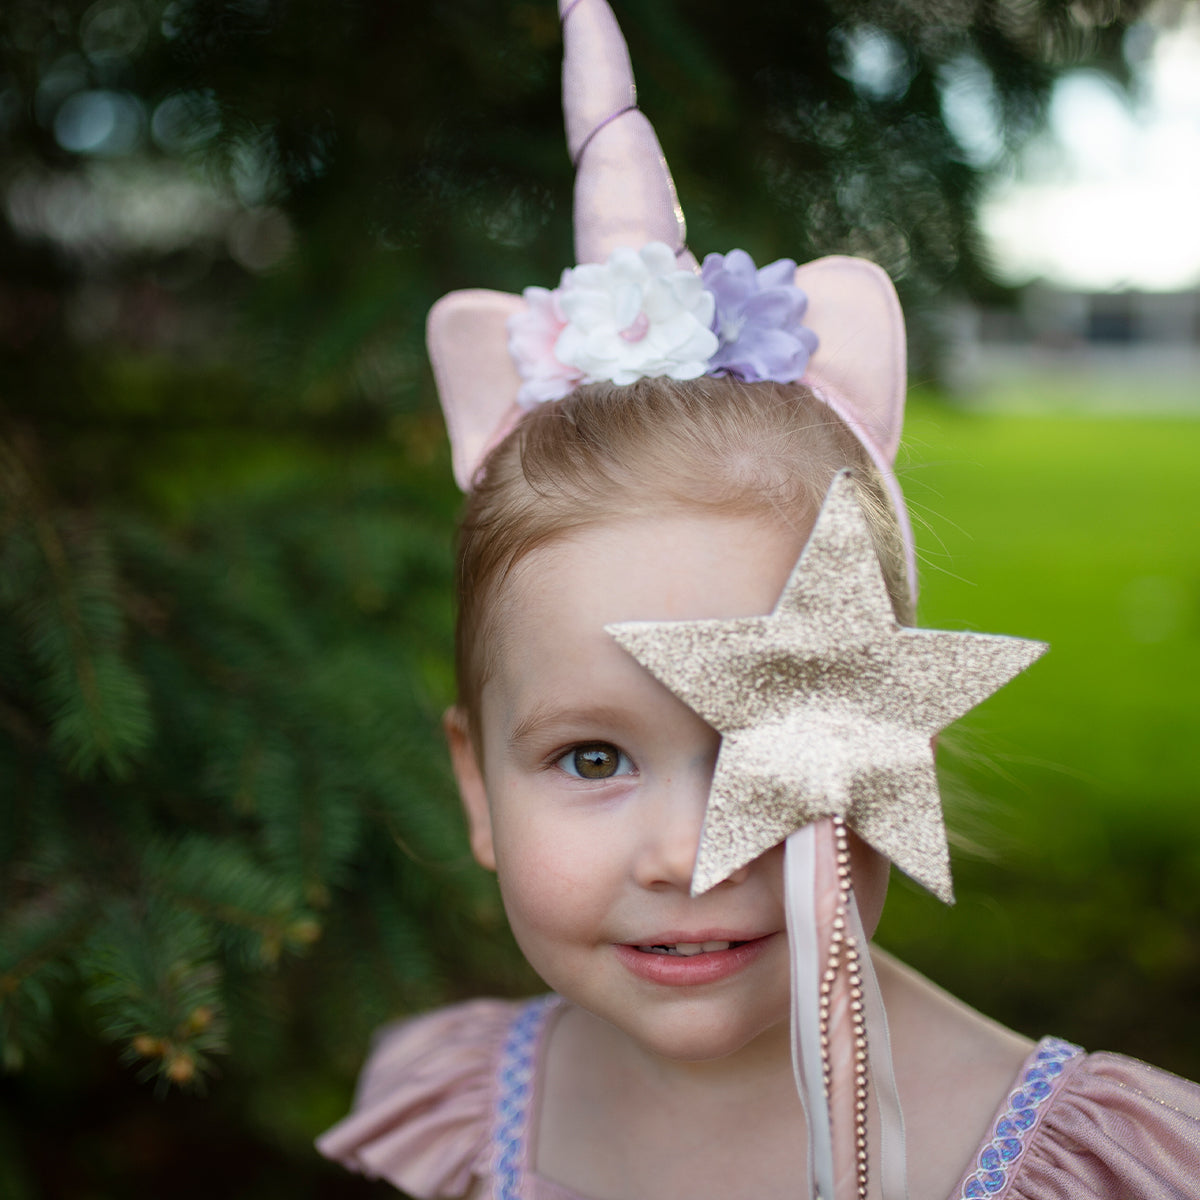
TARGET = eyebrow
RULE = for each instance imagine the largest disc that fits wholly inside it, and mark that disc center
(547, 716)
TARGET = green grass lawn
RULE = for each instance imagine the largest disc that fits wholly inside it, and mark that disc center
(1084, 533)
(1080, 776)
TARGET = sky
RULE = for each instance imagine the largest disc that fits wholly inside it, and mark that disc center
(1108, 198)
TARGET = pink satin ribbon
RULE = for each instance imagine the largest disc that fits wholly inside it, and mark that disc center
(801, 903)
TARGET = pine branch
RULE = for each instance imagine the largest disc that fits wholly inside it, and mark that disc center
(36, 937)
(154, 982)
(66, 601)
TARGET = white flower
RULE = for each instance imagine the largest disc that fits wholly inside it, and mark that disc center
(634, 316)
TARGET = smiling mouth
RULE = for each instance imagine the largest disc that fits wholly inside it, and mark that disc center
(689, 949)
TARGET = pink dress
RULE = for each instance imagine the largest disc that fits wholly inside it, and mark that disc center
(451, 1097)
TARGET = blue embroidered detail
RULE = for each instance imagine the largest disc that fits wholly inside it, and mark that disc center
(999, 1157)
(515, 1078)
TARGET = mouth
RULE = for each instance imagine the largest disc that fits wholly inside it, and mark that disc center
(692, 964)
(688, 949)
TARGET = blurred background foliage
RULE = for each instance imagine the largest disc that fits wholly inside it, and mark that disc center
(229, 843)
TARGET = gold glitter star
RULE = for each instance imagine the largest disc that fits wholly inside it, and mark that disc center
(826, 707)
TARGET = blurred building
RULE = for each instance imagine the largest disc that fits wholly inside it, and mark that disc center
(1127, 352)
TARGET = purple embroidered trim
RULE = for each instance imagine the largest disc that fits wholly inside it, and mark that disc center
(998, 1160)
(515, 1078)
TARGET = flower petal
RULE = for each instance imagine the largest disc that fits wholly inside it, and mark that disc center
(626, 266)
(587, 308)
(780, 273)
(778, 307)
(626, 304)
(739, 264)
(658, 258)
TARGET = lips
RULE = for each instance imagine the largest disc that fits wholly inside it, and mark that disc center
(680, 962)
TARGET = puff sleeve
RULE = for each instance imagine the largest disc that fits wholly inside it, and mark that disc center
(1096, 1127)
(423, 1108)
(1120, 1131)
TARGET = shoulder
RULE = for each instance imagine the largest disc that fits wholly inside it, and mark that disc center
(954, 1067)
(1092, 1127)
(1044, 1122)
(423, 1106)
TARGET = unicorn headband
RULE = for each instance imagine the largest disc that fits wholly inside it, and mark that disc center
(625, 205)
(637, 305)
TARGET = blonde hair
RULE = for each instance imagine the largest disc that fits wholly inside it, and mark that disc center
(607, 452)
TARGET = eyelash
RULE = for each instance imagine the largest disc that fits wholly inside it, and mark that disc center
(567, 762)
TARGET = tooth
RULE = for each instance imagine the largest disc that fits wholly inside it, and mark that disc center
(689, 948)
(709, 947)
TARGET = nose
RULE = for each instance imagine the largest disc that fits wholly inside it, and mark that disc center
(673, 825)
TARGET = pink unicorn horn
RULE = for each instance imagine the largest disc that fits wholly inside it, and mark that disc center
(624, 195)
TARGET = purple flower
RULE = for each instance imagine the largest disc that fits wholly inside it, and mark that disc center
(758, 318)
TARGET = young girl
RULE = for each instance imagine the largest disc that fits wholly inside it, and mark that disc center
(689, 757)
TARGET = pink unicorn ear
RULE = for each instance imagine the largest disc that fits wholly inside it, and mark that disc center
(477, 381)
(860, 367)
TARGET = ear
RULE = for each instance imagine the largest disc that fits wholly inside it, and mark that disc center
(471, 789)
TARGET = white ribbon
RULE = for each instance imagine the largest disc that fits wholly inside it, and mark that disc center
(799, 885)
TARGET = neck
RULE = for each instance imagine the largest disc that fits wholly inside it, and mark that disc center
(602, 1089)
(762, 1068)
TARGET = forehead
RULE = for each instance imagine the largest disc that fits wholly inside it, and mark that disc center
(550, 615)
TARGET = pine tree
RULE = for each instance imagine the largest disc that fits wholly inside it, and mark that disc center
(222, 752)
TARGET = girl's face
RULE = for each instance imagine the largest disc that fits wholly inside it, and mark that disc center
(589, 793)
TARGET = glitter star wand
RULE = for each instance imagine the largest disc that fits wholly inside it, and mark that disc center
(827, 708)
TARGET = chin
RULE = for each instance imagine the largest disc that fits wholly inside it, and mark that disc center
(692, 1035)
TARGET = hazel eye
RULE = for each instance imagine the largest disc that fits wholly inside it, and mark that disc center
(595, 760)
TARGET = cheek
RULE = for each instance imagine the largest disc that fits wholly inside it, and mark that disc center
(551, 877)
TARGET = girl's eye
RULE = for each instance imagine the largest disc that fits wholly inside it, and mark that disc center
(595, 760)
